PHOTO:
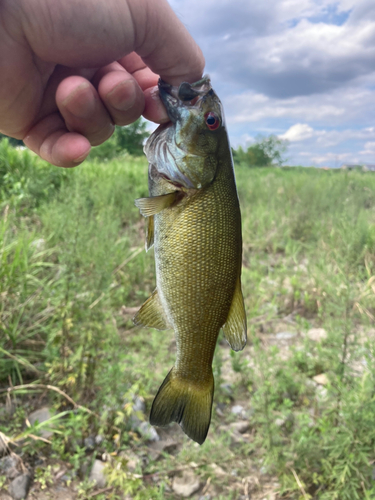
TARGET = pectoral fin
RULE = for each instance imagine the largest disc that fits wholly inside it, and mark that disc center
(235, 327)
(150, 233)
(151, 313)
(155, 204)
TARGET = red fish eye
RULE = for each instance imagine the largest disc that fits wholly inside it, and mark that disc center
(212, 120)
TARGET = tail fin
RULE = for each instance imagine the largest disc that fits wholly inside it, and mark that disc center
(185, 402)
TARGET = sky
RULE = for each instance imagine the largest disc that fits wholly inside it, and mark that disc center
(303, 70)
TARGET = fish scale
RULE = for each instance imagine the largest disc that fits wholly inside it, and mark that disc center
(196, 233)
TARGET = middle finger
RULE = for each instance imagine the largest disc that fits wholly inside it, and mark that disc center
(83, 110)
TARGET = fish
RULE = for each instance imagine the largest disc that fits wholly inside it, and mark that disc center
(193, 222)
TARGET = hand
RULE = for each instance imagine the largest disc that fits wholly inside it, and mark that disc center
(71, 70)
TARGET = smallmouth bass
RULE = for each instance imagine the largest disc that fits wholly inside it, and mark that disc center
(194, 223)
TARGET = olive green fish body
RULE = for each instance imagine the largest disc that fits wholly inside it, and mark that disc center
(198, 261)
(196, 231)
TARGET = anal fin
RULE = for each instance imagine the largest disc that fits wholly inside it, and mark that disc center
(235, 329)
(155, 204)
(151, 313)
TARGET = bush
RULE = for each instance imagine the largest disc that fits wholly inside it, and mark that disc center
(128, 139)
(265, 152)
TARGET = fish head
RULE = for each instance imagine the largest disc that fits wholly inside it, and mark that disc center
(185, 151)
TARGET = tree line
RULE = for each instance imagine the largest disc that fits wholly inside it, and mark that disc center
(264, 152)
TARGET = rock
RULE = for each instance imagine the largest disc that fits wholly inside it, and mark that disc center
(279, 422)
(167, 444)
(227, 389)
(186, 485)
(321, 392)
(99, 439)
(139, 404)
(137, 416)
(218, 471)
(237, 409)
(19, 487)
(148, 432)
(131, 464)
(9, 466)
(89, 443)
(220, 408)
(132, 460)
(317, 334)
(97, 474)
(240, 427)
(285, 335)
(41, 415)
(5, 496)
(321, 379)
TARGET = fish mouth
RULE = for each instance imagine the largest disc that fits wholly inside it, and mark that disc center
(186, 94)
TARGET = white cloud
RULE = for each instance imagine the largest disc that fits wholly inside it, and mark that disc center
(369, 150)
(329, 158)
(340, 107)
(298, 132)
(301, 69)
(283, 48)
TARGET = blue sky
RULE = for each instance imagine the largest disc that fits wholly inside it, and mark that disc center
(301, 69)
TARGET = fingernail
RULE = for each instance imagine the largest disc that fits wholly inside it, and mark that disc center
(123, 96)
(81, 158)
(154, 93)
(81, 103)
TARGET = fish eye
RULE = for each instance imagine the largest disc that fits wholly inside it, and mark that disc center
(212, 120)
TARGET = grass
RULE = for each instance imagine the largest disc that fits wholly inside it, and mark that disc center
(72, 270)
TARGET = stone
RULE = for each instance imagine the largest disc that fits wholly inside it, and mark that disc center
(227, 389)
(321, 392)
(41, 415)
(218, 471)
(148, 432)
(137, 416)
(240, 427)
(317, 334)
(168, 444)
(237, 409)
(89, 443)
(99, 439)
(19, 487)
(132, 460)
(10, 466)
(186, 484)
(97, 474)
(5, 496)
(279, 422)
(321, 379)
(285, 335)
(139, 404)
